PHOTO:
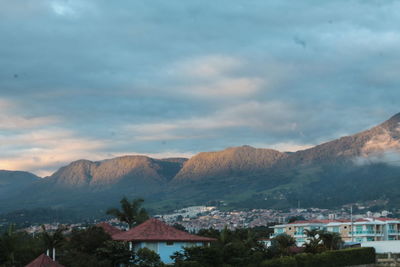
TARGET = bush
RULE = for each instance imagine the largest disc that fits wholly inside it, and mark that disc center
(280, 262)
(345, 257)
(147, 258)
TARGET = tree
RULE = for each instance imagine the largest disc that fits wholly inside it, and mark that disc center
(52, 241)
(117, 253)
(296, 218)
(87, 248)
(331, 240)
(8, 247)
(131, 212)
(282, 243)
(147, 258)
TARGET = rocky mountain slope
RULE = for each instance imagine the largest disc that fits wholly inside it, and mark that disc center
(361, 167)
(231, 161)
(374, 143)
(141, 171)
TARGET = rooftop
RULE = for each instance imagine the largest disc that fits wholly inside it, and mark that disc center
(109, 229)
(155, 230)
(44, 261)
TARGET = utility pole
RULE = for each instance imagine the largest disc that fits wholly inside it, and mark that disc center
(351, 219)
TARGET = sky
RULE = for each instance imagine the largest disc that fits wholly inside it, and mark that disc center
(97, 79)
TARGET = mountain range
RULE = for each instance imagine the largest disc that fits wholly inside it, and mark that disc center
(360, 167)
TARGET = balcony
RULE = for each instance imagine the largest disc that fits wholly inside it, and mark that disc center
(366, 232)
(299, 234)
(393, 232)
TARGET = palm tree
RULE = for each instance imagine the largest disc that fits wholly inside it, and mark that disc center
(53, 241)
(283, 242)
(314, 242)
(331, 240)
(130, 212)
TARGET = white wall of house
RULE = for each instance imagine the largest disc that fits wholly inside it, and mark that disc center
(383, 246)
(166, 249)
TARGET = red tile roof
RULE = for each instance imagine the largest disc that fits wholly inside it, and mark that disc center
(320, 221)
(109, 229)
(155, 230)
(312, 221)
(44, 261)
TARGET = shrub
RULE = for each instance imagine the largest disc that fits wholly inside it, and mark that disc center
(280, 262)
(345, 257)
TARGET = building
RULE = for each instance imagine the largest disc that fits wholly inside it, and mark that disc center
(161, 238)
(360, 230)
(109, 229)
(44, 261)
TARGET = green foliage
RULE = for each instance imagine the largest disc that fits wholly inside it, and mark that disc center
(331, 240)
(281, 244)
(24, 218)
(321, 240)
(131, 212)
(147, 258)
(233, 248)
(114, 251)
(18, 248)
(52, 240)
(93, 247)
(296, 218)
(280, 262)
(337, 258)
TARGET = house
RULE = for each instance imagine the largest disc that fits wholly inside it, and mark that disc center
(44, 261)
(109, 229)
(296, 229)
(161, 238)
(361, 230)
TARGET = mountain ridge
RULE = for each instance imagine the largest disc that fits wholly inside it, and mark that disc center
(323, 175)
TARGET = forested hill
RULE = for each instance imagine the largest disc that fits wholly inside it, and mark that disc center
(360, 167)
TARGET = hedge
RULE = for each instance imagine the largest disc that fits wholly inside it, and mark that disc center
(280, 262)
(335, 258)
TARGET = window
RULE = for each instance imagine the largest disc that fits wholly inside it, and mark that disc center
(169, 243)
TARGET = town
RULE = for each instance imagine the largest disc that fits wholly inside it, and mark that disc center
(167, 234)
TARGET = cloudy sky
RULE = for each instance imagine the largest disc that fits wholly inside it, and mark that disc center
(97, 79)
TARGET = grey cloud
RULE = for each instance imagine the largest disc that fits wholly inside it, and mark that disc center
(100, 66)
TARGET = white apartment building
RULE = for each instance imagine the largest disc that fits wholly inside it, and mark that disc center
(360, 230)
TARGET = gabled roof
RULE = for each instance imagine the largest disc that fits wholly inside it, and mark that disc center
(109, 229)
(155, 230)
(44, 261)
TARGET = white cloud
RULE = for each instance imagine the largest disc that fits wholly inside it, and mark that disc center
(11, 120)
(212, 76)
(260, 116)
(71, 8)
(284, 147)
(41, 151)
(228, 87)
(206, 66)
